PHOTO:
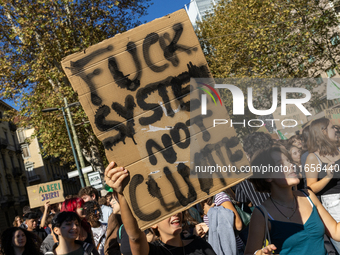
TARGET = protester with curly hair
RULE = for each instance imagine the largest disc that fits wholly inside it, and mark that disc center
(18, 241)
(93, 214)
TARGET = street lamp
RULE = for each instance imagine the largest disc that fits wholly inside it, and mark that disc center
(81, 177)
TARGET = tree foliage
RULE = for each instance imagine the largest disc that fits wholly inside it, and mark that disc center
(270, 39)
(35, 35)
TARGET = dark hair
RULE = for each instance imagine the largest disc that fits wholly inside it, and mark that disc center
(31, 215)
(90, 191)
(264, 158)
(188, 221)
(26, 209)
(209, 201)
(293, 138)
(109, 194)
(256, 141)
(60, 218)
(89, 209)
(31, 247)
(49, 219)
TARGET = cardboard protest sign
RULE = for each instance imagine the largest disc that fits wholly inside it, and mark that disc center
(293, 117)
(135, 90)
(48, 191)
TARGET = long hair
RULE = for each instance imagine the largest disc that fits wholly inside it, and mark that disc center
(305, 138)
(71, 205)
(31, 247)
(15, 222)
(264, 158)
(319, 141)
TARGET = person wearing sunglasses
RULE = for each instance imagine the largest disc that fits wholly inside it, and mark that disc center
(93, 214)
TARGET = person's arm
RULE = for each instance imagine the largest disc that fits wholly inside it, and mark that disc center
(311, 166)
(43, 219)
(117, 178)
(237, 222)
(331, 226)
(256, 236)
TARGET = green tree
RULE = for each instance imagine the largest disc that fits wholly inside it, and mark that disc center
(35, 35)
(270, 39)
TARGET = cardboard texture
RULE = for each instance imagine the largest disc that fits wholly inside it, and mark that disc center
(48, 191)
(135, 90)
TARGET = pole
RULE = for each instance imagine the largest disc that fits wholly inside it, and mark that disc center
(73, 150)
(76, 141)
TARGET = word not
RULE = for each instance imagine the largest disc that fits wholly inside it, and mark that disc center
(49, 196)
(251, 122)
(50, 187)
(238, 100)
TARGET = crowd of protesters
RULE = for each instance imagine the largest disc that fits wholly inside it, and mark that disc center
(290, 212)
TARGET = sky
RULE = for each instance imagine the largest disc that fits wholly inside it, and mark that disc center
(158, 9)
(161, 8)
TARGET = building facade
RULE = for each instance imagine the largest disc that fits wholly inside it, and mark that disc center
(39, 169)
(13, 181)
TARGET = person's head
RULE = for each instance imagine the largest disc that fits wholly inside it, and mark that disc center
(295, 154)
(55, 208)
(16, 237)
(207, 203)
(295, 140)
(108, 197)
(49, 220)
(102, 201)
(66, 226)
(17, 221)
(115, 205)
(169, 228)
(74, 205)
(322, 137)
(92, 211)
(31, 220)
(26, 210)
(283, 172)
(256, 141)
(89, 193)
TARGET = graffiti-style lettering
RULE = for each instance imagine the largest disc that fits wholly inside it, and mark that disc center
(135, 181)
(198, 120)
(123, 130)
(122, 80)
(176, 136)
(155, 191)
(184, 171)
(168, 152)
(169, 50)
(150, 39)
(176, 84)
